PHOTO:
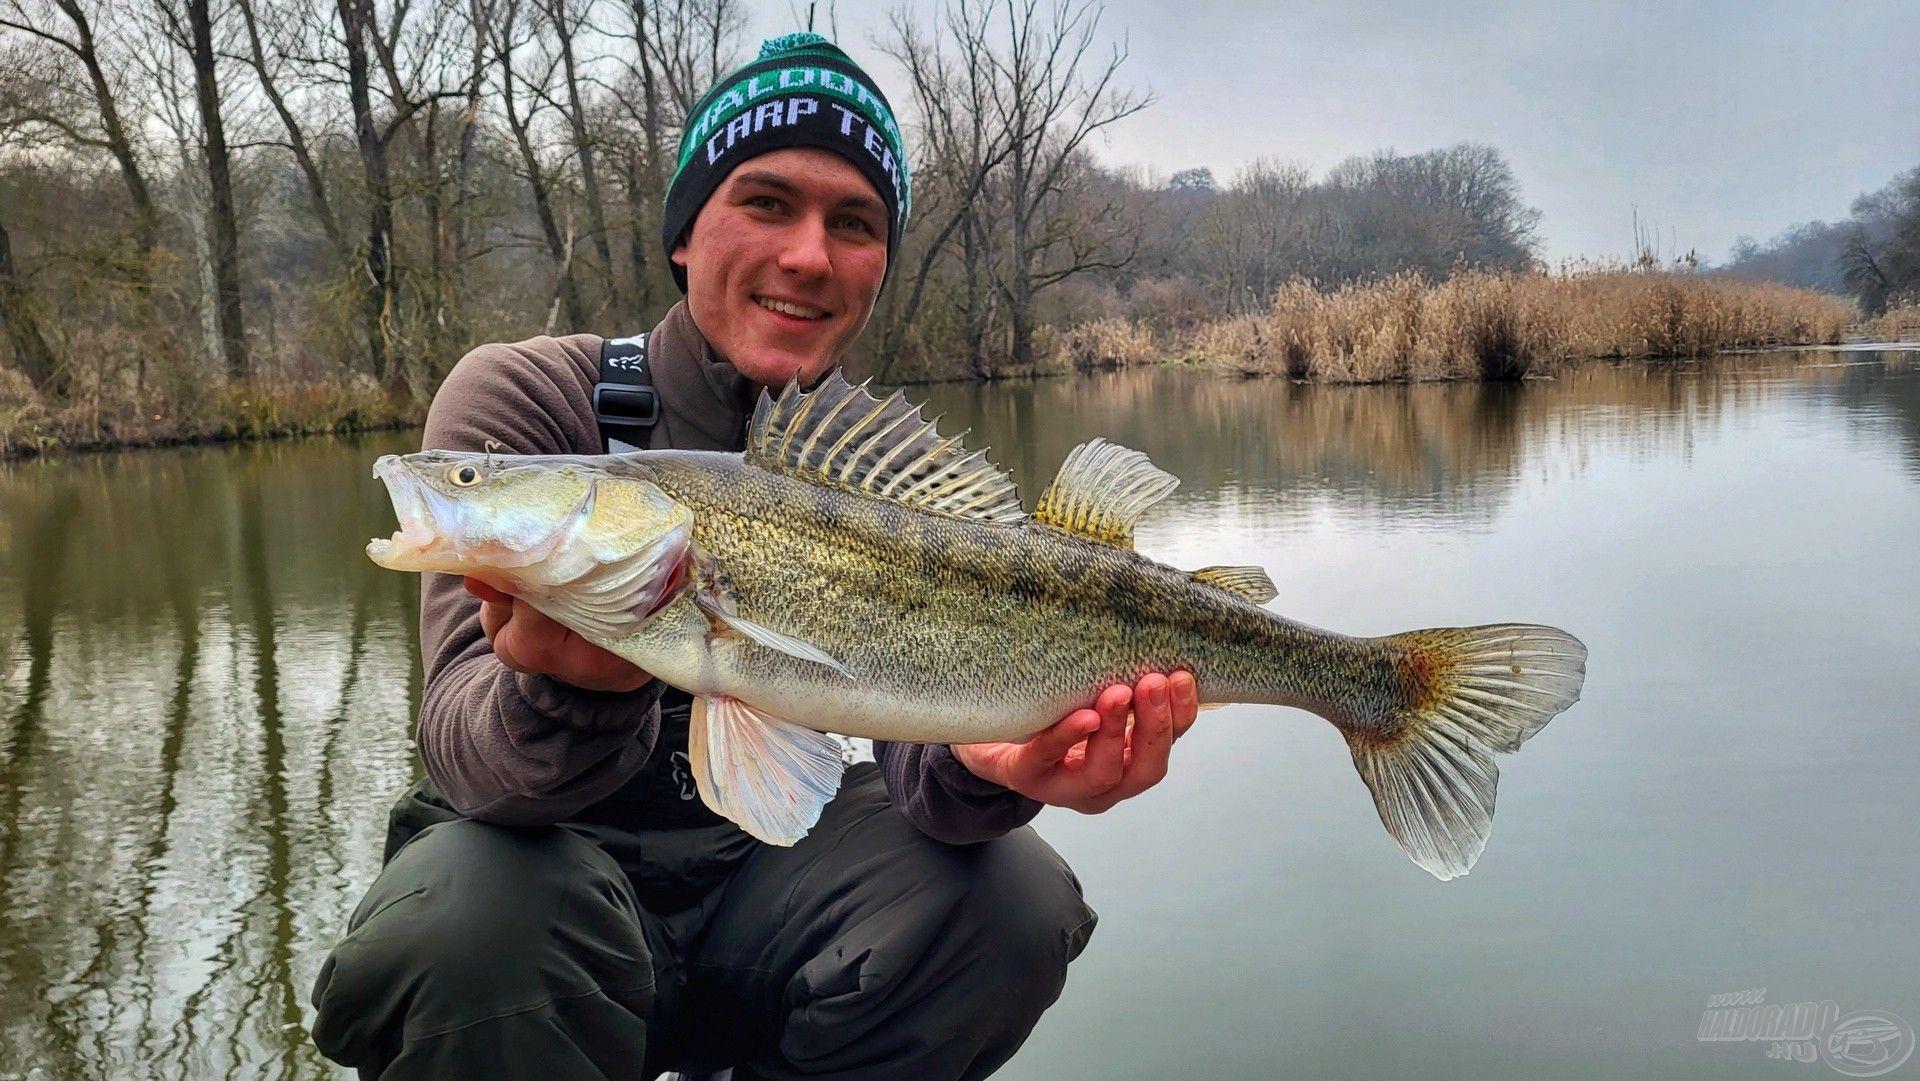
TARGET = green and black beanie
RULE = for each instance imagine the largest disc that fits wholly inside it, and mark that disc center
(800, 91)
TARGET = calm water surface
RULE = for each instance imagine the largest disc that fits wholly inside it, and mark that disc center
(206, 693)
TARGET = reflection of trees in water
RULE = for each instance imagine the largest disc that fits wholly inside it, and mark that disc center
(1450, 451)
(206, 737)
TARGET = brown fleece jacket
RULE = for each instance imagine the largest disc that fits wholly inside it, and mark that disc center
(518, 749)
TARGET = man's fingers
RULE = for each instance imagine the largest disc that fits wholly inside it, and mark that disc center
(1186, 701)
(1152, 737)
(1044, 751)
(1104, 766)
(486, 592)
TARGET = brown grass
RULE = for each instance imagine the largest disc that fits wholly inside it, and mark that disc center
(116, 404)
(1894, 325)
(1106, 344)
(1480, 325)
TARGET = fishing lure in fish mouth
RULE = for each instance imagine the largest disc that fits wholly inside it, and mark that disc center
(855, 572)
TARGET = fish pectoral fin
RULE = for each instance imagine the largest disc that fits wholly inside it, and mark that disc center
(768, 776)
(1250, 583)
(770, 638)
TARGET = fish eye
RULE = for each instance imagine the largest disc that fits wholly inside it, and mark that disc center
(463, 476)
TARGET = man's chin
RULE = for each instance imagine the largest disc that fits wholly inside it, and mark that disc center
(774, 368)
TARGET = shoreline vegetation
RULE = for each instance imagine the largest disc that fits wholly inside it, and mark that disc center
(1482, 325)
(301, 230)
(1475, 325)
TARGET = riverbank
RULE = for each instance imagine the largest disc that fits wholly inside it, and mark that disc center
(1474, 325)
(1900, 324)
(105, 415)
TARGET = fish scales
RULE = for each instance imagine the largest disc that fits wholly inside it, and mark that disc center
(989, 613)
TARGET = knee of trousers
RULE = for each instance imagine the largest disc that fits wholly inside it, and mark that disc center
(1020, 915)
(977, 941)
(472, 921)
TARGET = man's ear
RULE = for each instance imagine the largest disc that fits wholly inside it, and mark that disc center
(679, 254)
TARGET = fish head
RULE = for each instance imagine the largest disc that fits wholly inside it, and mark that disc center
(539, 521)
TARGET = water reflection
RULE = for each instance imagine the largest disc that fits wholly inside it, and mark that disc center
(206, 707)
(206, 689)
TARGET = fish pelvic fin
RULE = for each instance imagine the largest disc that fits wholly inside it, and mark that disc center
(1478, 691)
(768, 776)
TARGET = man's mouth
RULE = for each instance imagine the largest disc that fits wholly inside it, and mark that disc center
(787, 307)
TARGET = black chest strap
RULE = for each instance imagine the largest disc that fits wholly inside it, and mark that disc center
(625, 405)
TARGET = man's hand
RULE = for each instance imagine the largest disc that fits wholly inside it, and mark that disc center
(528, 641)
(1091, 759)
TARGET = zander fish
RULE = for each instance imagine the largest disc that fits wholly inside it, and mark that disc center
(855, 572)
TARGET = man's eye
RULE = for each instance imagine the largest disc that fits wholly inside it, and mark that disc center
(858, 225)
(764, 202)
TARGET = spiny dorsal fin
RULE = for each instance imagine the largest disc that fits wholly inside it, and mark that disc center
(1251, 583)
(1102, 489)
(839, 435)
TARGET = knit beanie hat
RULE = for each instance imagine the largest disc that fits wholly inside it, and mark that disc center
(800, 91)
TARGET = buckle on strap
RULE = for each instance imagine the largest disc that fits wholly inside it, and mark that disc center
(623, 404)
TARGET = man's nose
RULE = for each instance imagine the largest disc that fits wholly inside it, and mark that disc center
(805, 252)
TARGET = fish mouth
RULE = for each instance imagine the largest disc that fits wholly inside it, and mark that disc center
(432, 536)
(421, 543)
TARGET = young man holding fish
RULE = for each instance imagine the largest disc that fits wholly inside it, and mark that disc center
(556, 901)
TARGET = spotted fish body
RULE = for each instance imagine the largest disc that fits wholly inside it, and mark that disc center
(855, 573)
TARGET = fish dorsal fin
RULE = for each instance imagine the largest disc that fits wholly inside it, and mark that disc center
(1250, 583)
(841, 436)
(1102, 489)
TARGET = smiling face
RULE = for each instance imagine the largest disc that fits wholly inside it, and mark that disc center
(784, 263)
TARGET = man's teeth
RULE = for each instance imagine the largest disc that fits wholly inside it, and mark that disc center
(799, 311)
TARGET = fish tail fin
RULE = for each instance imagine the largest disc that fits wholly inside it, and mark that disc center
(1475, 692)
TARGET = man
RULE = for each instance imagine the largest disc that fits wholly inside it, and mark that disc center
(556, 901)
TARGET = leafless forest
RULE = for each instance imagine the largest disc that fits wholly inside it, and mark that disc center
(234, 217)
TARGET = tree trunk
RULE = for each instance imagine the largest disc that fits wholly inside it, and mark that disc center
(1020, 268)
(559, 248)
(296, 139)
(223, 231)
(639, 191)
(378, 299)
(146, 215)
(583, 147)
(30, 349)
(647, 180)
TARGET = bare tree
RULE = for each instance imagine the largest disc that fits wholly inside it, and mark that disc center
(30, 349)
(952, 94)
(223, 226)
(268, 64)
(524, 94)
(23, 94)
(1255, 233)
(1051, 94)
(679, 48)
(71, 26)
(568, 19)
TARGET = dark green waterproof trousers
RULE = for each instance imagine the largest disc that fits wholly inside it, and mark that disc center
(868, 950)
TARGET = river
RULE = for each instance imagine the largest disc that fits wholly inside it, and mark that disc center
(206, 692)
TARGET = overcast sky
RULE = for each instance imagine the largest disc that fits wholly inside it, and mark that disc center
(1715, 119)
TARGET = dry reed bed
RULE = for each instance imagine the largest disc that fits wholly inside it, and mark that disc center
(1480, 325)
(1894, 325)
